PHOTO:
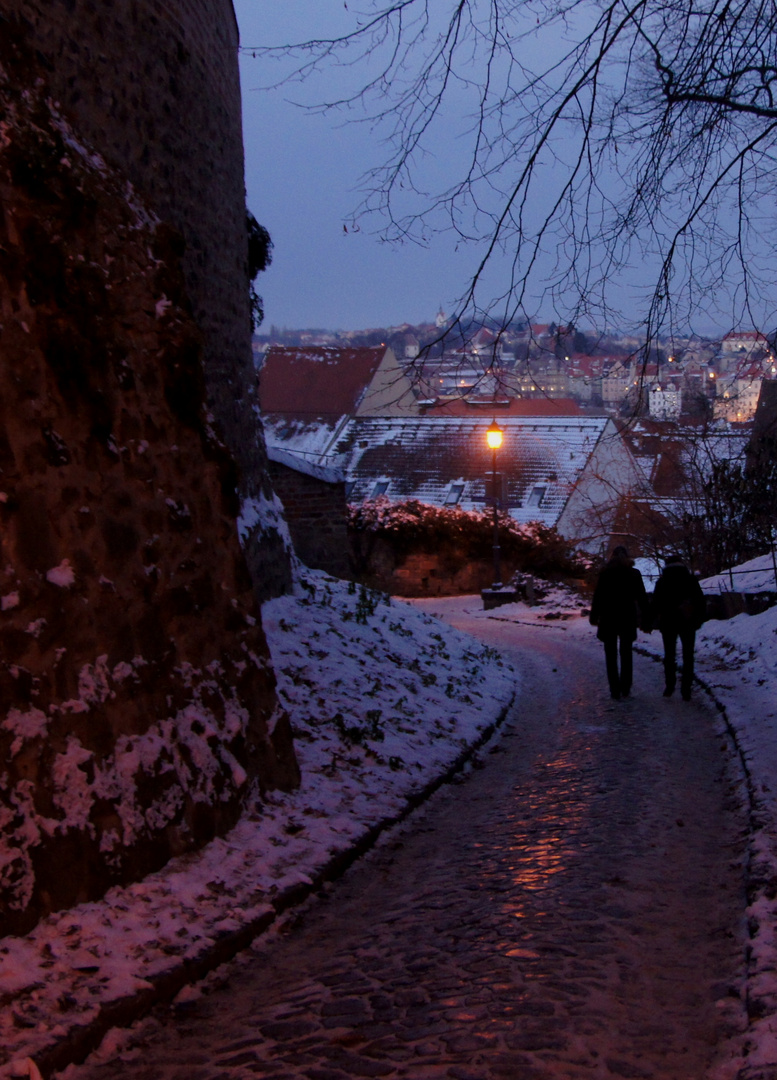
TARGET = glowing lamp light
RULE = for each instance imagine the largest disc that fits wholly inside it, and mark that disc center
(494, 436)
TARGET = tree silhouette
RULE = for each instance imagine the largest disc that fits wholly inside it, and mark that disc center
(259, 258)
(579, 147)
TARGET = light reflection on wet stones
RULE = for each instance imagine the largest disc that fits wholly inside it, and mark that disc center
(543, 920)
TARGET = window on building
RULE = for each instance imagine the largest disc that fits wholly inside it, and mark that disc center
(454, 494)
(536, 497)
(380, 488)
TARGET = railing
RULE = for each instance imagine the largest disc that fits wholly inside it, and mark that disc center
(731, 573)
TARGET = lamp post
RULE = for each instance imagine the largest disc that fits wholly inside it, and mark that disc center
(494, 440)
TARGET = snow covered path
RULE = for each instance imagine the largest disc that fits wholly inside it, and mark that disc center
(572, 909)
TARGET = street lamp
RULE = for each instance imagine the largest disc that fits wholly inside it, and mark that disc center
(494, 440)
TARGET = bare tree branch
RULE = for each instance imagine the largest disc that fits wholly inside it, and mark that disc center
(593, 147)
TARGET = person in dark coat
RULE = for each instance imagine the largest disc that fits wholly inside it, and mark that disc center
(679, 609)
(619, 606)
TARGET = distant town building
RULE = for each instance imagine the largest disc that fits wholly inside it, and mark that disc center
(616, 383)
(737, 395)
(664, 402)
(694, 380)
(743, 345)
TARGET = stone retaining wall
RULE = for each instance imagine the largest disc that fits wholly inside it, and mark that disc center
(315, 511)
(446, 573)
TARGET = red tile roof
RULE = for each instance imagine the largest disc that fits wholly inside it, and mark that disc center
(587, 367)
(745, 335)
(669, 475)
(316, 380)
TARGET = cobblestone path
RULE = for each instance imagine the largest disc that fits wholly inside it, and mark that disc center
(571, 909)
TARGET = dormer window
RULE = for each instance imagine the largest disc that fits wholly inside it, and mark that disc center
(380, 488)
(536, 497)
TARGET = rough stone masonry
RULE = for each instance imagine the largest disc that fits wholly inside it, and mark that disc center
(154, 87)
(137, 701)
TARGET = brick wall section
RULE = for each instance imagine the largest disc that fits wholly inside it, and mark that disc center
(315, 511)
(153, 85)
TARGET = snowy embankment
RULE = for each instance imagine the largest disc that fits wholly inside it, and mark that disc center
(383, 700)
(736, 660)
(755, 576)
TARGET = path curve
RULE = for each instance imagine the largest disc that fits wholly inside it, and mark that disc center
(572, 909)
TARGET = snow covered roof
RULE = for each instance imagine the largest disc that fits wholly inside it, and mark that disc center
(669, 472)
(480, 407)
(309, 439)
(673, 457)
(332, 474)
(444, 460)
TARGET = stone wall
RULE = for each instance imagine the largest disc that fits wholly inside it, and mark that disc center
(154, 85)
(137, 703)
(315, 509)
(443, 573)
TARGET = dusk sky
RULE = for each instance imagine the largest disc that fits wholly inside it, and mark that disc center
(302, 174)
